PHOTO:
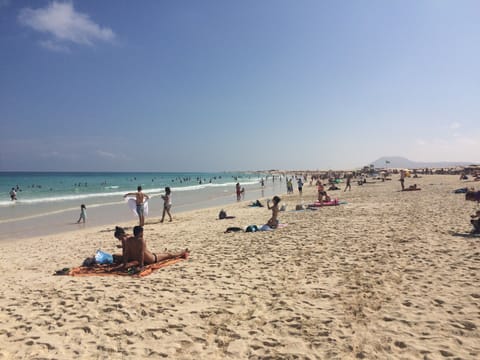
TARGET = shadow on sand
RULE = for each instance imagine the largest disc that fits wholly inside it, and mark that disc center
(466, 235)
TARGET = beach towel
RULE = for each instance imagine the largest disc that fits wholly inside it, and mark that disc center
(334, 202)
(105, 270)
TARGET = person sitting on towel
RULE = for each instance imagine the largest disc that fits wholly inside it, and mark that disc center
(135, 252)
(273, 221)
(475, 222)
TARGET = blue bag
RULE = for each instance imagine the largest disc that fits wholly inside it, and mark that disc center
(102, 257)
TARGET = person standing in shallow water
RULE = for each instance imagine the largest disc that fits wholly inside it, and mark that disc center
(238, 190)
(13, 194)
(83, 214)
(140, 199)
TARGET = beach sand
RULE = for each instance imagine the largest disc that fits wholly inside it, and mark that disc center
(390, 275)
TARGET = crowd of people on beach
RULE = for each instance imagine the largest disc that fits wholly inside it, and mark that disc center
(135, 254)
(134, 248)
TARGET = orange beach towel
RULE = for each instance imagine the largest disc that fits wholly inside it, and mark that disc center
(105, 270)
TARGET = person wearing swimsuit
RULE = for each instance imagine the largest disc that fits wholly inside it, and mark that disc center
(135, 252)
(273, 221)
(140, 199)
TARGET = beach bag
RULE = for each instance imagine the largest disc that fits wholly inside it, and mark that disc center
(88, 262)
(251, 228)
(233, 229)
(102, 257)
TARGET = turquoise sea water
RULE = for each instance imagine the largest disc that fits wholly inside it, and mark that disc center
(50, 202)
(36, 188)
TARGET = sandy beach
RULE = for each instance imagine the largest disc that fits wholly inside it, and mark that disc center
(389, 275)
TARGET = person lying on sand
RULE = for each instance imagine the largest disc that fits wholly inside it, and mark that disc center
(273, 221)
(135, 252)
(412, 188)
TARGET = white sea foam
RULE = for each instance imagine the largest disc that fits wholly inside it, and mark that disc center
(152, 192)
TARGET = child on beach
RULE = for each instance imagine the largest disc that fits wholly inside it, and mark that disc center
(83, 214)
(167, 203)
(273, 221)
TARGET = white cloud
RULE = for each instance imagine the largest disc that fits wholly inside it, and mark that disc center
(64, 25)
(54, 46)
(58, 155)
(109, 155)
(467, 141)
(106, 154)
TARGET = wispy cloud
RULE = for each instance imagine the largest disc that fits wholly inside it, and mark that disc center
(111, 156)
(455, 125)
(58, 155)
(64, 25)
(54, 46)
(106, 154)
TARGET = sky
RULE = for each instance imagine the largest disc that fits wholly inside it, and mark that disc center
(189, 85)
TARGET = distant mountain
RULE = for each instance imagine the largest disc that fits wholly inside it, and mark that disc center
(401, 162)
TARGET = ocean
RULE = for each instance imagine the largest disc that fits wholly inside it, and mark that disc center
(49, 202)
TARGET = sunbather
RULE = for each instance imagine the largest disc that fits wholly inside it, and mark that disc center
(273, 221)
(475, 222)
(135, 252)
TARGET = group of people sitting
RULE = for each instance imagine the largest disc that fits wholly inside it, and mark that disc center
(271, 224)
(135, 254)
(322, 194)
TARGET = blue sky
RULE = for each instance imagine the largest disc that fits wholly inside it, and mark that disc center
(152, 85)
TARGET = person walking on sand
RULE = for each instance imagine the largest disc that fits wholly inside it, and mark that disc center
(167, 203)
(140, 199)
(300, 185)
(402, 179)
(349, 185)
(83, 214)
